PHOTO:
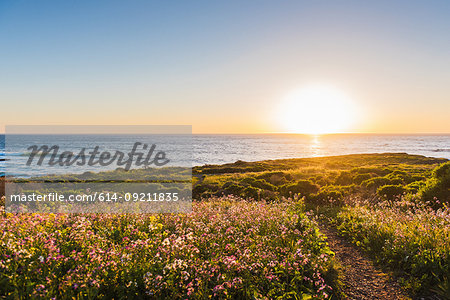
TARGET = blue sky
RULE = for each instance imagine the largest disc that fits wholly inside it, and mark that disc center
(223, 66)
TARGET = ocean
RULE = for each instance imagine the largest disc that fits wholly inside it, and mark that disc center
(199, 150)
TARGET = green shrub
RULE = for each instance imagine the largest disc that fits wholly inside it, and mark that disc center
(247, 180)
(415, 178)
(276, 178)
(357, 179)
(258, 183)
(390, 191)
(329, 193)
(437, 187)
(320, 180)
(344, 178)
(399, 177)
(232, 189)
(442, 171)
(375, 183)
(375, 170)
(202, 190)
(251, 192)
(304, 187)
(415, 186)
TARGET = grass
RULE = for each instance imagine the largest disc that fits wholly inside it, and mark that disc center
(410, 237)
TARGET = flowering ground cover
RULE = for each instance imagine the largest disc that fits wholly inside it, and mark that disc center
(409, 236)
(226, 248)
(244, 239)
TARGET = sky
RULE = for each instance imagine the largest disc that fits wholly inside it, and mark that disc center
(225, 66)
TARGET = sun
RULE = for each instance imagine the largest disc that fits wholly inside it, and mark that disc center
(317, 109)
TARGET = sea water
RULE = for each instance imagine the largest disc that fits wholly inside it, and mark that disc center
(220, 149)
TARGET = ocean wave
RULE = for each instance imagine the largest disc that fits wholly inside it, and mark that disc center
(441, 150)
(12, 154)
(45, 154)
(29, 153)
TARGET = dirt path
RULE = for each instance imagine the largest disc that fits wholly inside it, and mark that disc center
(362, 279)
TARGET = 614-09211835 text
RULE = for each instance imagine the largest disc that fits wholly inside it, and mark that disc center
(95, 197)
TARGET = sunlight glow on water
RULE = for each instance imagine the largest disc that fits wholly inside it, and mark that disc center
(220, 149)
